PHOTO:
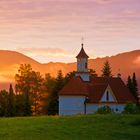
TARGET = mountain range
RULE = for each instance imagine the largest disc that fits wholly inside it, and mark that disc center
(124, 63)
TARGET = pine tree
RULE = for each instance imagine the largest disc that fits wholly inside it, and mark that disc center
(53, 96)
(59, 80)
(135, 86)
(11, 102)
(106, 71)
(19, 105)
(3, 103)
(132, 86)
(27, 105)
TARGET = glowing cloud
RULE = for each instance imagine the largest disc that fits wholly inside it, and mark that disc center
(45, 52)
(109, 26)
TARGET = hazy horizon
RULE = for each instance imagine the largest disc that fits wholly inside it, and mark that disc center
(10, 63)
(49, 61)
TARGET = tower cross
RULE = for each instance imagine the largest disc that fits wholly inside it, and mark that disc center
(82, 40)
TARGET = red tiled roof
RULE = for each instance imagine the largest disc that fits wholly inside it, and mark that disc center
(121, 92)
(75, 87)
(96, 87)
(96, 92)
(118, 87)
(82, 54)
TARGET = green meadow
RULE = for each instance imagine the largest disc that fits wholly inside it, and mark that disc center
(80, 127)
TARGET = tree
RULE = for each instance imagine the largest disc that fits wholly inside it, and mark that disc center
(49, 83)
(69, 76)
(36, 92)
(106, 71)
(53, 96)
(23, 86)
(29, 83)
(93, 73)
(132, 86)
(48, 87)
(131, 108)
(11, 102)
(19, 105)
(3, 102)
(135, 86)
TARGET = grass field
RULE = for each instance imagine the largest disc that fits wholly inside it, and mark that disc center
(88, 127)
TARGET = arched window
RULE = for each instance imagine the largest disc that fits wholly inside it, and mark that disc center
(107, 96)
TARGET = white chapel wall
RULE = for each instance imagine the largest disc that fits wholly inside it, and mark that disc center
(81, 65)
(69, 105)
(111, 95)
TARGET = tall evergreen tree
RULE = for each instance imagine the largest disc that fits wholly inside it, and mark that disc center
(11, 102)
(23, 86)
(27, 105)
(53, 96)
(19, 105)
(49, 84)
(3, 103)
(37, 92)
(135, 86)
(106, 71)
(132, 85)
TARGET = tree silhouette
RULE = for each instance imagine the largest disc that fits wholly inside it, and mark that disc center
(106, 70)
(11, 102)
(93, 73)
(133, 86)
(53, 96)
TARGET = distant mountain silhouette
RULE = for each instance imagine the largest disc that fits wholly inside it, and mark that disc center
(125, 63)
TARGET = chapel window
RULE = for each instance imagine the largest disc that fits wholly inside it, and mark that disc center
(107, 96)
(86, 65)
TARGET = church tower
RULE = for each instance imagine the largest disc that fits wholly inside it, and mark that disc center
(82, 61)
(82, 64)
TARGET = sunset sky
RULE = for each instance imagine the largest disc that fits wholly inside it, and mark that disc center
(51, 30)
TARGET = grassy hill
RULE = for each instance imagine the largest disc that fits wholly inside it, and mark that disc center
(89, 127)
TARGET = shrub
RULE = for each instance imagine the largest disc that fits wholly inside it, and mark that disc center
(131, 109)
(104, 110)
